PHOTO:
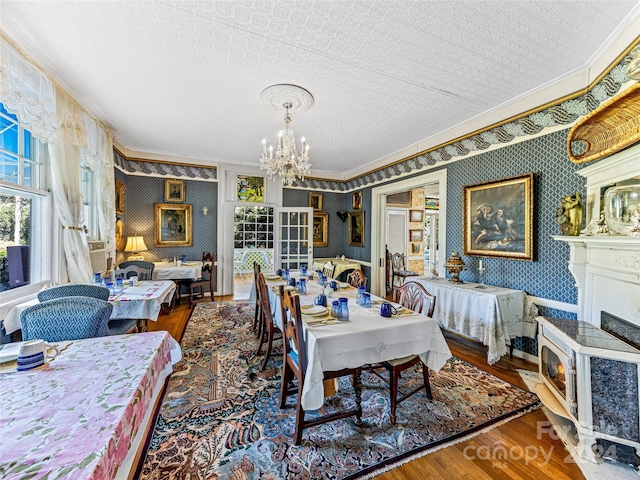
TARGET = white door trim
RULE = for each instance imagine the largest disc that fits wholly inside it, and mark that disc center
(378, 221)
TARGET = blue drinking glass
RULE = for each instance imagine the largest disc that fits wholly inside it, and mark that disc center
(343, 309)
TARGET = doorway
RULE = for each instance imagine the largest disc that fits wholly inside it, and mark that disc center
(434, 181)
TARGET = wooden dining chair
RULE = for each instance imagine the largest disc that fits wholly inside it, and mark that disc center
(357, 279)
(270, 332)
(413, 296)
(198, 286)
(257, 315)
(294, 366)
(399, 269)
(328, 269)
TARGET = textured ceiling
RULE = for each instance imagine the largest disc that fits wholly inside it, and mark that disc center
(184, 78)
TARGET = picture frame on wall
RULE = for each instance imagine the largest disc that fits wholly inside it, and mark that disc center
(432, 203)
(320, 229)
(356, 229)
(173, 225)
(356, 200)
(416, 215)
(249, 189)
(415, 248)
(498, 218)
(120, 192)
(174, 190)
(315, 201)
(402, 199)
(416, 235)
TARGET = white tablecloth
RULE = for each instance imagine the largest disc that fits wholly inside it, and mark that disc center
(367, 338)
(140, 302)
(491, 314)
(170, 271)
(340, 265)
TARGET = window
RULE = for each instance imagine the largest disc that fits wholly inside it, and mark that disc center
(25, 245)
(253, 227)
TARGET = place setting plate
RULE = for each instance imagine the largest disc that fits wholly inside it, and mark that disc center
(314, 310)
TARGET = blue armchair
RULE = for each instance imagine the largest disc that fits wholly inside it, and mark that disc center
(66, 318)
(116, 327)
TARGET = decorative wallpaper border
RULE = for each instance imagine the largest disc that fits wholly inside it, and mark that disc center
(164, 169)
(564, 113)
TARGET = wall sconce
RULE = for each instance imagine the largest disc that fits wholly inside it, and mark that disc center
(205, 210)
(342, 215)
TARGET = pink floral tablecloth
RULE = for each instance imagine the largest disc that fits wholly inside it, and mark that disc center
(75, 418)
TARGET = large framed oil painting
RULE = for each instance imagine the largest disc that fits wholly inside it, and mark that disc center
(173, 225)
(498, 218)
(250, 189)
(120, 189)
(320, 229)
(356, 229)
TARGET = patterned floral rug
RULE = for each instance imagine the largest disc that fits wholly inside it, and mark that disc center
(220, 417)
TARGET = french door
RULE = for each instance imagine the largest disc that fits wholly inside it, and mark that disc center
(295, 241)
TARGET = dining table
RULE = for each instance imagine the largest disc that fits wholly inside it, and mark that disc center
(366, 338)
(189, 270)
(142, 301)
(340, 264)
(87, 413)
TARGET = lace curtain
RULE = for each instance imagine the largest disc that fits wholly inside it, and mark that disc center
(71, 136)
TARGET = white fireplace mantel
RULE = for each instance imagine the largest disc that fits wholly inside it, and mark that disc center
(607, 274)
(606, 268)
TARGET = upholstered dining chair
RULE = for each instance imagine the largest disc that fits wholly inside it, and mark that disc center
(295, 365)
(116, 326)
(66, 318)
(147, 268)
(132, 271)
(357, 279)
(74, 290)
(413, 296)
(399, 269)
(269, 331)
(198, 287)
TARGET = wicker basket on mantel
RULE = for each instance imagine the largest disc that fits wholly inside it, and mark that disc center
(609, 128)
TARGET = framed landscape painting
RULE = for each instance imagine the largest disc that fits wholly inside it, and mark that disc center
(173, 225)
(498, 218)
(402, 199)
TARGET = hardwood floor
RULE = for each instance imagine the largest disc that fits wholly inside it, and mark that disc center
(523, 448)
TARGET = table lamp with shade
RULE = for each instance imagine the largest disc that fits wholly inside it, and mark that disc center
(135, 245)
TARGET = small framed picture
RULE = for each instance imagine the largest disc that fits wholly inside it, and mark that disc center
(174, 190)
(415, 235)
(315, 201)
(356, 200)
(120, 189)
(415, 248)
(416, 215)
(320, 229)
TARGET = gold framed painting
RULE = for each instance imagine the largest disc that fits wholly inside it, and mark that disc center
(416, 235)
(120, 190)
(173, 225)
(315, 201)
(174, 190)
(498, 218)
(356, 200)
(119, 235)
(356, 229)
(250, 189)
(320, 229)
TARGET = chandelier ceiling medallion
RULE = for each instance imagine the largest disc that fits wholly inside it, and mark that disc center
(286, 162)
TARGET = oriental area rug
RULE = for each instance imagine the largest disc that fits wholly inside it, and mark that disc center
(220, 418)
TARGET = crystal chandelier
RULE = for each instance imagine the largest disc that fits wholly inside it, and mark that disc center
(287, 162)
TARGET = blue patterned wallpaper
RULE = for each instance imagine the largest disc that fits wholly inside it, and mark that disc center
(140, 195)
